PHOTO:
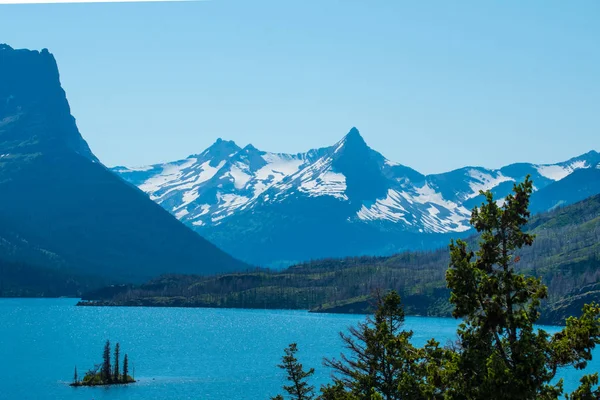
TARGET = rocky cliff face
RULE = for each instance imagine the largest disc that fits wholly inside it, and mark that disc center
(57, 197)
(34, 113)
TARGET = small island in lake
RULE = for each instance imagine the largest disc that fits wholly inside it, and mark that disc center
(104, 374)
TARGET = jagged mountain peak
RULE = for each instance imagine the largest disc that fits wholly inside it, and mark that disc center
(220, 149)
(219, 143)
(353, 140)
(348, 185)
(354, 135)
(60, 199)
(592, 153)
(35, 116)
(250, 147)
(250, 157)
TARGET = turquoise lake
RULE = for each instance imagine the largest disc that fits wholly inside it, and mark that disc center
(177, 353)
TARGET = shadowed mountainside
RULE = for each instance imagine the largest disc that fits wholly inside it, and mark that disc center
(565, 253)
(61, 209)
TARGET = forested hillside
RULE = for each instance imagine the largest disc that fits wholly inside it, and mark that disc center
(565, 253)
(18, 279)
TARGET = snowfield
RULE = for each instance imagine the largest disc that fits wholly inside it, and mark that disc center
(225, 180)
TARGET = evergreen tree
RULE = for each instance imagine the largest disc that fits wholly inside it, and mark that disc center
(501, 355)
(106, 371)
(116, 366)
(299, 389)
(374, 346)
(382, 361)
(125, 377)
(75, 376)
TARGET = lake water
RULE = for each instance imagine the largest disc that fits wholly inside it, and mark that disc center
(177, 353)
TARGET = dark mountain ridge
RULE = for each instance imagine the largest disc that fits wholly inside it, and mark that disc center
(61, 208)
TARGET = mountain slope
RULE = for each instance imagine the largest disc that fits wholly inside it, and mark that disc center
(565, 254)
(575, 187)
(347, 199)
(58, 198)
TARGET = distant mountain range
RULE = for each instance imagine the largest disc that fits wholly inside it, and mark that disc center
(63, 212)
(565, 255)
(67, 218)
(275, 209)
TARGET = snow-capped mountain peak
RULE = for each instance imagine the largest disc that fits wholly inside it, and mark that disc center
(352, 140)
(226, 182)
(220, 149)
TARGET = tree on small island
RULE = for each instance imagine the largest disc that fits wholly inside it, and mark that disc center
(106, 370)
(116, 368)
(103, 374)
(126, 366)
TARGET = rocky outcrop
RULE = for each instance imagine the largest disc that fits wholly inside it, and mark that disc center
(57, 197)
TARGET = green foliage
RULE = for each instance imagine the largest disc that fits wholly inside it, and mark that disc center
(336, 391)
(298, 389)
(586, 390)
(502, 355)
(102, 374)
(565, 255)
(499, 354)
(380, 352)
(116, 364)
(27, 279)
(383, 364)
(125, 368)
(106, 370)
(92, 378)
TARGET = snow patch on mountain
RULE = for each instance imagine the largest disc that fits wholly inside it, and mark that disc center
(558, 172)
(316, 179)
(454, 217)
(239, 175)
(188, 197)
(181, 213)
(422, 206)
(127, 170)
(277, 168)
(426, 194)
(484, 181)
(225, 180)
(206, 172)
(433, 211)
(326, 184)
(390, 208)
(226, 205)
(204, 209)
(170, 173)
(279, 165)
(201, 174)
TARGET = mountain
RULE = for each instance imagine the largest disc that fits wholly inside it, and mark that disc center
(276, 209)
(575, 187)
(61, 209)
(565, 255)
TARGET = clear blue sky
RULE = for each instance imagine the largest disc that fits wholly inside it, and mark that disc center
(432, 84)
